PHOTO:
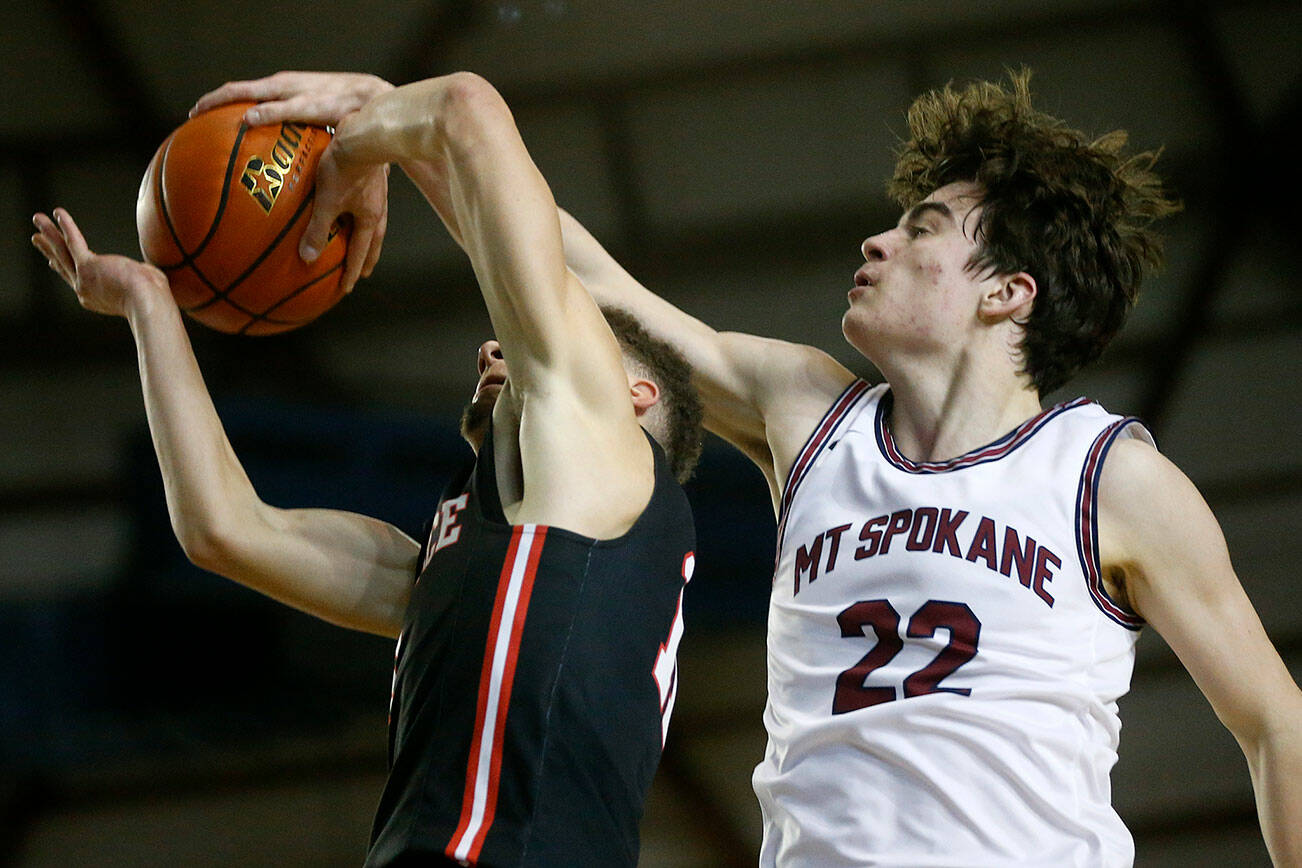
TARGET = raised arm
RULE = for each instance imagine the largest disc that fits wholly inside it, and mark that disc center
(1156, 531)
(348, 569)
(760, 394)
(584, 458)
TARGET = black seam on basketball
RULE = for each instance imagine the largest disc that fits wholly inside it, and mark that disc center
(225, 293)
(275, 242)
(162, 208)
(217, 294)
(231, 162)
(249, 312)
(190, 256)
(221, 295)
(264, 316)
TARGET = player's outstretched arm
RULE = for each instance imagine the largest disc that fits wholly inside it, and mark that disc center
(345, 568)
(585, 461)
(760, 394)
(1157, 532)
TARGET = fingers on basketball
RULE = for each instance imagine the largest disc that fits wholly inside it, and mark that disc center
(231, 91)
(221, 211)
(377, 241)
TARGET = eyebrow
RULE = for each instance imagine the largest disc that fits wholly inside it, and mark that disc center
(917, 211)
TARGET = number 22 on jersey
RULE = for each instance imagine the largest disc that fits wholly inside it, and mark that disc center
(883, 619)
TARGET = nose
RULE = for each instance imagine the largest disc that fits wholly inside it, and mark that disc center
(489, 351)
(874, 247)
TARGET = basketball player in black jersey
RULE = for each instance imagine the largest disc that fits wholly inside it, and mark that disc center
(538, 621)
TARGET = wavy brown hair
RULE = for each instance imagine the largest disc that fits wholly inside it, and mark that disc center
(1072, 212)
(682, 405)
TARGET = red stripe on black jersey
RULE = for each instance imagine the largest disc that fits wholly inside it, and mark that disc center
(514, 587)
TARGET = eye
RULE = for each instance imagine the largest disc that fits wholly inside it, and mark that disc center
(915, 230)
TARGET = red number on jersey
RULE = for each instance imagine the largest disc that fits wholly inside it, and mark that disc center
(964, 632)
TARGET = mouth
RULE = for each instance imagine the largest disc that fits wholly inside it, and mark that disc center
(490, 380)
(862, 280)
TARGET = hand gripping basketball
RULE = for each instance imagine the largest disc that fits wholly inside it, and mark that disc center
(323, 99)
(222, 209)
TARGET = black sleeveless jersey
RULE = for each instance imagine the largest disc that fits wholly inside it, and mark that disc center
(535, 675)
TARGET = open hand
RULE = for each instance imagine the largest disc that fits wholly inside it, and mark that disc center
(104, 283)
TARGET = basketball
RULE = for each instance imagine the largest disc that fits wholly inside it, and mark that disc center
(221, 210)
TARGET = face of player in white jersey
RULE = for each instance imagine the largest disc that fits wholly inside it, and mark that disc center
(916, 296)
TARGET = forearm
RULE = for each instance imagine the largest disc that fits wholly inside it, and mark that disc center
(348, 569)
(205, 485)
(611, 285)
(455, 137)
(411, 126)
(1275, 762)
(414, 123)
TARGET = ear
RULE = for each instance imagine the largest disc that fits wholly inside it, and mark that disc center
(645, 394)
(1010, 296)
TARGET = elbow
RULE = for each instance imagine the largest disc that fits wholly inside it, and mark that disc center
(470, 109)
(207, 545)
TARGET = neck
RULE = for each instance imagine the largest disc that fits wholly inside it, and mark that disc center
(937, 418)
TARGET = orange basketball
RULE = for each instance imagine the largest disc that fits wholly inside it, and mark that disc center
(221, 210)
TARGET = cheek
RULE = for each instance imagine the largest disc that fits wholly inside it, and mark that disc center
(932, 272)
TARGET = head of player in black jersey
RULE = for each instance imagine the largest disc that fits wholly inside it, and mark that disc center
(672, 416)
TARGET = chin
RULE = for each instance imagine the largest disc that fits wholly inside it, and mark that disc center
(857, 331)
(475, 419)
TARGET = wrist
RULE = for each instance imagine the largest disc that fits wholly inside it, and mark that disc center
(379, 86)
(350, 140)
(149, 301)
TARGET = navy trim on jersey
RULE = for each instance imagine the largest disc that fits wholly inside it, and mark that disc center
(1087, 526)
(982, 455)
(818, 440)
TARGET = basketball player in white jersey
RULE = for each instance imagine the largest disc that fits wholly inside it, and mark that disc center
(962, 575)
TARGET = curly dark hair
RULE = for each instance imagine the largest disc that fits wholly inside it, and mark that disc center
(1073, 213)
(682, 404)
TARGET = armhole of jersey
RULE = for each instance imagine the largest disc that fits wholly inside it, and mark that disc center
(818, 440)
(459, 483)
(1087, 523)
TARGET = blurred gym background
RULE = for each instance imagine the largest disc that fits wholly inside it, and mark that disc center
(732, 154)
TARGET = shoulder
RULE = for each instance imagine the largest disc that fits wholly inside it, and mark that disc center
(1135, 477)
(1153, 523)
(815, 388)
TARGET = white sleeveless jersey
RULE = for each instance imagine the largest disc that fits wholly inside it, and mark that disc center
(944, 663)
